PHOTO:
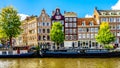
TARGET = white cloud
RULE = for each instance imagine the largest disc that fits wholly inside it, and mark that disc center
(88, 16)
(23, 16)
(116, 6)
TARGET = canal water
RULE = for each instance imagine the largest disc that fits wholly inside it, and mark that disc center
(59, 62)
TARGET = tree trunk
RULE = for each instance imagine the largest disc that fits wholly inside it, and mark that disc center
(10, 41)
(57, 46)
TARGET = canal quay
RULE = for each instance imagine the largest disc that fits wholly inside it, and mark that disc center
(60, 63)
(60, 34)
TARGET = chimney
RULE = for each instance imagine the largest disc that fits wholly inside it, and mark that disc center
(95, 8)
(64, 12)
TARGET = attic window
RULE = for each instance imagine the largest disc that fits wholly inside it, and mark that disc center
(118, 13)
(83, 23)
(111, 13)
(91, 23)
(103, 13)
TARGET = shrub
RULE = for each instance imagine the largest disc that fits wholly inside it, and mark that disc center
(109, 46)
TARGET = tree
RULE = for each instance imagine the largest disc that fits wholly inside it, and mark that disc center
(56, 33)
(104, 35)
(10, 22)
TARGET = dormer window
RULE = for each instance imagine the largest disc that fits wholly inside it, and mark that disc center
(83, 23)
(111, 13)
(103, 13)
(91, 23)
(118, 13)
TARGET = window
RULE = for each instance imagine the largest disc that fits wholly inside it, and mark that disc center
(66, 37)
(87, 29)
(48, 37)
(114, 19)
(43, 30)
(74, 19)
(48, 24)
(114, 27)
(4, 52)
(62, 22)
(91, 23)
(74, 31)
(103, 13)
(111, 19)
(103, 19)
(79, 30)
(74, 37)
(92, 29)
(118, 19)
(80, 36)
(74, 24)
(118, 13)
(83, 23)
(66, 24)
(88, 35)
(70, 19)
(70, 37)
(84, 29)
(39, 30)
(38, 23)
(70, 24)
(118, 33)
(44, 38)
(112, 13)
(83, 35)
(96, 29)
(43, 18)
(66, 31)
(39, 37)
(43, 24)
(48, 30)
(92, 35)
(66, 19)
(70, 31)
(118, 26)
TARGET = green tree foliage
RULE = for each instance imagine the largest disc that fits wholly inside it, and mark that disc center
(10, 22)
(56, 33)
(104, 35)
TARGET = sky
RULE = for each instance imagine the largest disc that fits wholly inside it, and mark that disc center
(83, 8)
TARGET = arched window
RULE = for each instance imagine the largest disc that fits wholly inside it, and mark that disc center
(48, 37)
(39, 37)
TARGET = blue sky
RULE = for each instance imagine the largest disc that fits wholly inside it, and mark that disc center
(81, 7)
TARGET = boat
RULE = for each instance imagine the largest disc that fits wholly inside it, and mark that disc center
(16, 52)
(80, 53)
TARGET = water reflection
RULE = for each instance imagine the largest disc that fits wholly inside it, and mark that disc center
(60, 63)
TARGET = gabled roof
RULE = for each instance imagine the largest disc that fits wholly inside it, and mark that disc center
(87, 21)
(109, 12)
(70, 14)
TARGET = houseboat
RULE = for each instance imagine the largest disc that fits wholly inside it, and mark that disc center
(83, 53)
(16, 52)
